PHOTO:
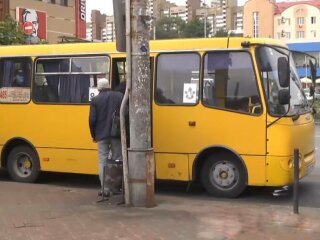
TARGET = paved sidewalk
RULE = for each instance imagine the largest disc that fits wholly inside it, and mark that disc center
(42, 212)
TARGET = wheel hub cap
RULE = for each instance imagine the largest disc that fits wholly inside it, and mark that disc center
(26, 164)
(224, 175)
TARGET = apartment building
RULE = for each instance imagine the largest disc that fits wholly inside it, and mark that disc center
(291, 21)
(258, 18)
(177, 11)
(220, 14)
(297, 21)
(89, 36)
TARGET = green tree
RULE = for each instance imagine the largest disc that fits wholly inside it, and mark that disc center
(10, 32)
(195, 29)
(169, 27)
(222, 33)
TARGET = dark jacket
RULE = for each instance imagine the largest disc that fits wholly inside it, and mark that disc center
(101, 111)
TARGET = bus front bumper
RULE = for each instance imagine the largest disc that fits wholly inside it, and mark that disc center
(279, 170)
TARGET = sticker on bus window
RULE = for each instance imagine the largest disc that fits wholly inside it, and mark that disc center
(93, 91)
(190, 93)
(14, 95)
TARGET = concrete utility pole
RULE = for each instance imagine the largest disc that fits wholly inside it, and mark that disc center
(140, 153)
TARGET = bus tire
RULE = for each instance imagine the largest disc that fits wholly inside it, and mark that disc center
(224, 176)
(23, 164)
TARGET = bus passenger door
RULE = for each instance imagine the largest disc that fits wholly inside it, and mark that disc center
(175, 119)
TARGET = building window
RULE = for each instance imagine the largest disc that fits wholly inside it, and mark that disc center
(284, 20)
(300, 21)
(314, 33)
(284, 34)
(313, 20)
(255, 24)
(300, 34)
(288, 35)
(279, 21)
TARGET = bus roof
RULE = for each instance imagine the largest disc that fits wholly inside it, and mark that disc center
(198, 44)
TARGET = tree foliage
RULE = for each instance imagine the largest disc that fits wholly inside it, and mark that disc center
(169, 27)
(10, 32)
(175, 27)
(222, 33)
(195, 29)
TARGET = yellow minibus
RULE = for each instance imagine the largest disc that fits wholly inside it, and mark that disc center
(228, 112)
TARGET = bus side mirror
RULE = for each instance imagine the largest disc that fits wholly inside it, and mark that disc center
(284, 96)
(283, 72)
(313, 71)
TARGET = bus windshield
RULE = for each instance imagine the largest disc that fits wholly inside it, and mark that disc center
(267, 61)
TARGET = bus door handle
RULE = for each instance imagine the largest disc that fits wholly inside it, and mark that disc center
(192, 123)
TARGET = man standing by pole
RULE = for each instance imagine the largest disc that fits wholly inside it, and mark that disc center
(102, 109)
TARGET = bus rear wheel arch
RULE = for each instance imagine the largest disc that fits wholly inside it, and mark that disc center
(23, 164)
(223, 175)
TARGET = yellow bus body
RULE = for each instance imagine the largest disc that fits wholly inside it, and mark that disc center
(61, 137)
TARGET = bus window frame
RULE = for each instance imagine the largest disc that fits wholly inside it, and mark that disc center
(30, 75)
(255, 75)
(156, 80)
(48, 57)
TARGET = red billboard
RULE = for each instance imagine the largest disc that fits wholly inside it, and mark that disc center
(33, 22)
(81, 18)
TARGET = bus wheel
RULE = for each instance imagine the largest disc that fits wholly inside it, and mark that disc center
(23, 164)
(224, 177)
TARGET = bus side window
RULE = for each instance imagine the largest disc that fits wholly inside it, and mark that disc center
(230, 82)
(176, 82)
(15, 79)
(69, 79)
(16, 72)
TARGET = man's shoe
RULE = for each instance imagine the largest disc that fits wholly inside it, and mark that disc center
(105, 193)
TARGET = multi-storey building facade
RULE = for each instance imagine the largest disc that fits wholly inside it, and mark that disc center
(109, 30)
(192, 6)
(178, 11)
(89, 36)
(294, 21)
(297, 21)
(98, 22)
(210, 16)
(49, 19)
(258, 18)
(238, 18)
(219, 14)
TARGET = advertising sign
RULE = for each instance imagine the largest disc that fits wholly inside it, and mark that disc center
(27, 17)
(14, 95)
(81, 18)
